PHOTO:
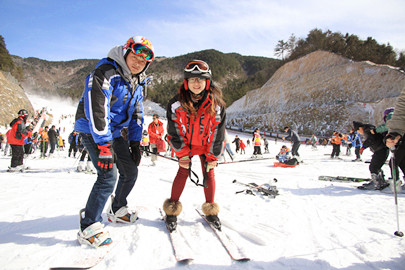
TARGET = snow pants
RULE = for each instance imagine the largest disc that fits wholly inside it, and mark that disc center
(257, 150)
(180, 182)
(105, 183)
(294, 149)
(357, 152)
(17, 155)
(378, 159)
(335, 150)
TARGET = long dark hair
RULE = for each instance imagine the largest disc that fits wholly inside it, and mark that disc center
(214, 94)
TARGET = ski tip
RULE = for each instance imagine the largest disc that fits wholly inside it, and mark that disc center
(185, 261)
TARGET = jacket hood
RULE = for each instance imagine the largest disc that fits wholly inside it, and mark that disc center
(116, 54)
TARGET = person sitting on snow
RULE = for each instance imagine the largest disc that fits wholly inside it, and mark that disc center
(284, 154)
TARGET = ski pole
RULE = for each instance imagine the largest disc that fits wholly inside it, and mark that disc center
(394, 180)
(245, 160)
(157, 154)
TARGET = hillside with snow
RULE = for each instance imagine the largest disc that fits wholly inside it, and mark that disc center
(319, 93)
(311, 225)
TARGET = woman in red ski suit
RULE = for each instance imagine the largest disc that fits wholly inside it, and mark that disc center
(195, 126)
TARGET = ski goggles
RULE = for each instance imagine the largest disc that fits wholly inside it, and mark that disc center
(142, 50)
(200, 65)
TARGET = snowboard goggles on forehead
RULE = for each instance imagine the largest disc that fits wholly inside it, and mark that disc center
(142, 50)
(201, 66)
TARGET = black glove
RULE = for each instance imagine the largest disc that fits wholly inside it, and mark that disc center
(105, 158)
(135, 152)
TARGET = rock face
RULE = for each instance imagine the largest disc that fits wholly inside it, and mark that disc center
(12, 99)
(319, 93)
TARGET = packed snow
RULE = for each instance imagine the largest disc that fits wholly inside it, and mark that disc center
(311, 225)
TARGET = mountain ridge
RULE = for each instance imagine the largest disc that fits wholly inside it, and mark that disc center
(319, 92)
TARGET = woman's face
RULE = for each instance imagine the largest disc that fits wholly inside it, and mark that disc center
(196, 85)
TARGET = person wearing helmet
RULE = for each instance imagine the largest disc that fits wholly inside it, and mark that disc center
(111, 102)
(16, 137)
(196, 126)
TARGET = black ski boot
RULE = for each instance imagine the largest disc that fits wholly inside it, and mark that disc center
(172, 210)
(171, 222)
(214, 220)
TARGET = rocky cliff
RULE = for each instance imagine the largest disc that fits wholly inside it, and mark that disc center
(12, 99)
(319, 93)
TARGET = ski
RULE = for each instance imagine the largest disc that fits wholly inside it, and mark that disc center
(88, 260)
(265, 189)
(233, 250)
(182, 252)
(245, 160)
(342, 178)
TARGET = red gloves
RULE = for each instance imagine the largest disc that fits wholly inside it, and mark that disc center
(105, 158)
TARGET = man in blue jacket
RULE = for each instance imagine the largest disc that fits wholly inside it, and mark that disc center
(109, 119)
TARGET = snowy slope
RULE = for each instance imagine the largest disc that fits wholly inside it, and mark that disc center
(310, 225)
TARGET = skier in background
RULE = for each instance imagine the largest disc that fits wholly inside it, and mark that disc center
(266, 145)
(43, 141)
(336, 141)
(73, 140)
(292, 135)
(257, 151)
(354, 138)
(145, 143)
(236, 141)
(156, 132)
(16, 136)
(53, 138)
(242, 147)
(196, 126)
(314, 141)
(112, 101)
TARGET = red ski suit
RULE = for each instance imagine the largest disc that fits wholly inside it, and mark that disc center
(189, 135)
(18, 132)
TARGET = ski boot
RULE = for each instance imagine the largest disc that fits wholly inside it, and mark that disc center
(122, 215)
(81, 167)
(171, 222)
(94, 235)
(172, 210)
(211, 211)
(377, 182)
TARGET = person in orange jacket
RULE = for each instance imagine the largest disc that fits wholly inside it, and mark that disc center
(16, 137)
(156, 135)
(44, 141)
(336, 141)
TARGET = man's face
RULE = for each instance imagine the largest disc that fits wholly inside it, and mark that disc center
(135, 63)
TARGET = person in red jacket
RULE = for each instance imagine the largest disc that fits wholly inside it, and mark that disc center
(16, 137)
(156, 132)
(195, 126)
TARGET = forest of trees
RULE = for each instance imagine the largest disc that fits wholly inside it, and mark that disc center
(348, 45)
(6, 63)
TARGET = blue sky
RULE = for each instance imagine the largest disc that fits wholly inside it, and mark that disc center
(74, 29)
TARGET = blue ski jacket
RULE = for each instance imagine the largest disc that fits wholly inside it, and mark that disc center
(355, 139)
(109, 103)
